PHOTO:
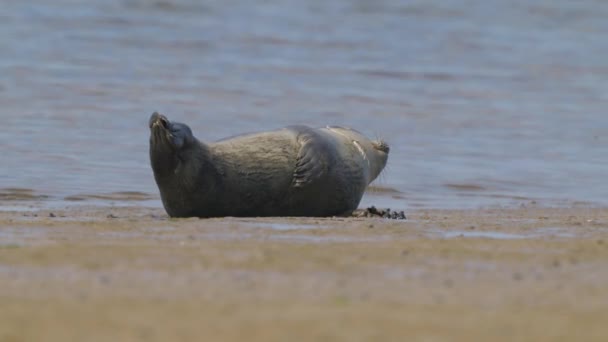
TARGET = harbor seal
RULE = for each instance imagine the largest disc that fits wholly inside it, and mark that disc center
(294, 171)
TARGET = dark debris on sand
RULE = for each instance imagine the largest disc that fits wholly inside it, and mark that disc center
(384, 213)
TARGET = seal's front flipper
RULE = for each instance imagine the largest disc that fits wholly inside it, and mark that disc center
(312, 161)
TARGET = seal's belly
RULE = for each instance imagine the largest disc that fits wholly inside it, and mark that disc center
(257, 172)
(297, 171)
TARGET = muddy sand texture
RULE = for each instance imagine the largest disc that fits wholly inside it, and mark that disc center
(132, 274)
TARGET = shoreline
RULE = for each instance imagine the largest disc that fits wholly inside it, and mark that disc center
(131, 273)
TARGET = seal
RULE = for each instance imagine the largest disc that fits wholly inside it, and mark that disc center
(294, 171)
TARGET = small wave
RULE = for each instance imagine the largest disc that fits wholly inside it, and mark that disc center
(513, 197)
(113, 196)
(464, 187)
(376, 189)
(169, 6)
(20, 194)
(410, 75)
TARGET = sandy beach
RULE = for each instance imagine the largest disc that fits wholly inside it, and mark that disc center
(133, 274)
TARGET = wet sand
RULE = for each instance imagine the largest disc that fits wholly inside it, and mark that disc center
(132, 274)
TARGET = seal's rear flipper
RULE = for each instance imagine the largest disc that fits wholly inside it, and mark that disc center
(381, 145)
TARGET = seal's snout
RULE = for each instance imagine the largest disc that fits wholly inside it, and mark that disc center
(158, 119)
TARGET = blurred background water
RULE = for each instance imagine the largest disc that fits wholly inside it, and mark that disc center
(484, 103)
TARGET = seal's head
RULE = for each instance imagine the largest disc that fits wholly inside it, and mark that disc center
(168, 142)
(173, 135)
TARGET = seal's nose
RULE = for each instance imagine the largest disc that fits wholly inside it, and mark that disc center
(158, 119)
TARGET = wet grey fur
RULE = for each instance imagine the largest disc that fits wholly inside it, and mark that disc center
(295, 171)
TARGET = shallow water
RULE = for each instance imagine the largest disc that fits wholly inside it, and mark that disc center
(565, 232)
(484, 103)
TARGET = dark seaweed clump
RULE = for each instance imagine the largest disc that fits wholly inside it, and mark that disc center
(384, 213)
